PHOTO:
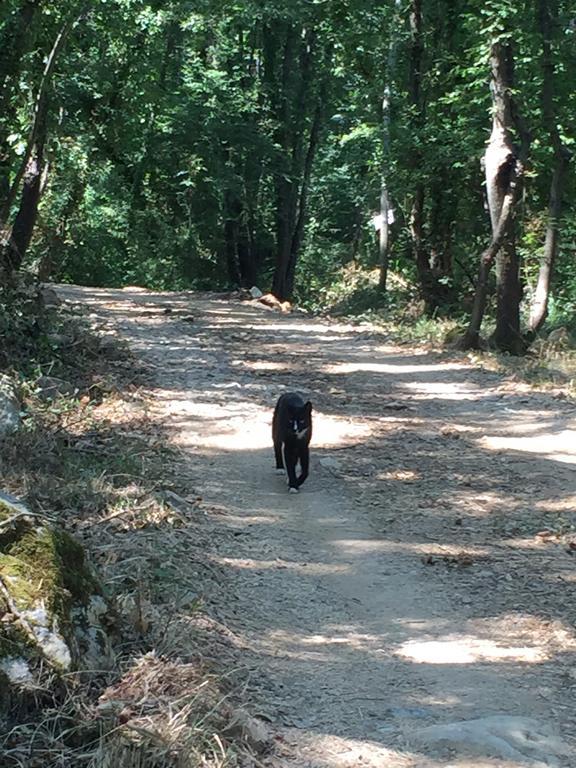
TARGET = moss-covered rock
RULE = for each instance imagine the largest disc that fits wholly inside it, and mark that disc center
(52, 607)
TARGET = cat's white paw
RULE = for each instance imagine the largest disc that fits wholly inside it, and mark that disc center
(293, 490)
(280, 472)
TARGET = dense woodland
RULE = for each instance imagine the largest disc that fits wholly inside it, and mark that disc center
(300, 147)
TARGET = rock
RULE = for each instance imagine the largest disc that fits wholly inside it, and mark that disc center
(395, 405)
(9, 407)
(330, 463)
(559, 337)
(250, 730)
(256, 293)
(522, 739)
(53, 607)
(269, 300)
(60, 340)
(49, 297)
(112, 347)
(49, 388)
(13, 503)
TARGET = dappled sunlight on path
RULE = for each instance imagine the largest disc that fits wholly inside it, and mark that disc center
(422, 577)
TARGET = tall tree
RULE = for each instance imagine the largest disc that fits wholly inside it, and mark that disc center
(504, 163)
(385, 200)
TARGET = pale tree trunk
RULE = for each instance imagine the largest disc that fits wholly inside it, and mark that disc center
(501, 155)
(384, 235)
(547, 18)
(504, 177)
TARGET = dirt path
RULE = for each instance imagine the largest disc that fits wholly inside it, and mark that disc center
(423, 577)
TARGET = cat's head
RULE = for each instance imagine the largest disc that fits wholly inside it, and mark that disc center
(301, 421)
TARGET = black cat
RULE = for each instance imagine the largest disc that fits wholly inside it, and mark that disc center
(292, 430)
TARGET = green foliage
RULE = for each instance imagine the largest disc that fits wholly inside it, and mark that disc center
(170, 134)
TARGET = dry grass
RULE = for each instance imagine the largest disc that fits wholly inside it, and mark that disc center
(549, 365)
(99, 465)
(170, 714)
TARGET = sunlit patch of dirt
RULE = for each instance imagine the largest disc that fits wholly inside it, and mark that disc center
(466, 649)
(558, 447)
(310, 569)
(389, 368)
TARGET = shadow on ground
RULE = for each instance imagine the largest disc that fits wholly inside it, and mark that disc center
(425, 574)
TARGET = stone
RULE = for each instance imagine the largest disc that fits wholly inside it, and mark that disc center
(9, 407)
(60, 340)
(112, 347)
(522, 739)
(256, 293)
(559, 336)
(50, 387)
(330, 463)
(54, 611)
(49, 297)
(269, 300)
(249, 730)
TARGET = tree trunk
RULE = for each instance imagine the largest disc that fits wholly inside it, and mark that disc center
(504, 177)
(384, 232)
(298, 235)
(501, 155)
(37, 117)
(25, 219)
(285, 182)
(15, 41)
(547, 18)
(231, 237)
(428, 283)
(294, 115)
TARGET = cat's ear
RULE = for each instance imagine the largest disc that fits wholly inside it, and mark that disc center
(308, 408)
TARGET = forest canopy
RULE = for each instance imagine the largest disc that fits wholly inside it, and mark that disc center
(301, 147)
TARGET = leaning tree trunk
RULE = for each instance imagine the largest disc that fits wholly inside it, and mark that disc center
(25, 219)
(546, 13)
(17, 38)
(26, 172)
(504, 176)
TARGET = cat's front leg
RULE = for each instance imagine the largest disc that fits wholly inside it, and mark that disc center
(290, 459)
(278, 456)
(305, 464)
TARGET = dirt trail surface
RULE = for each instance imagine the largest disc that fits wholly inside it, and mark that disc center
(414, 605)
